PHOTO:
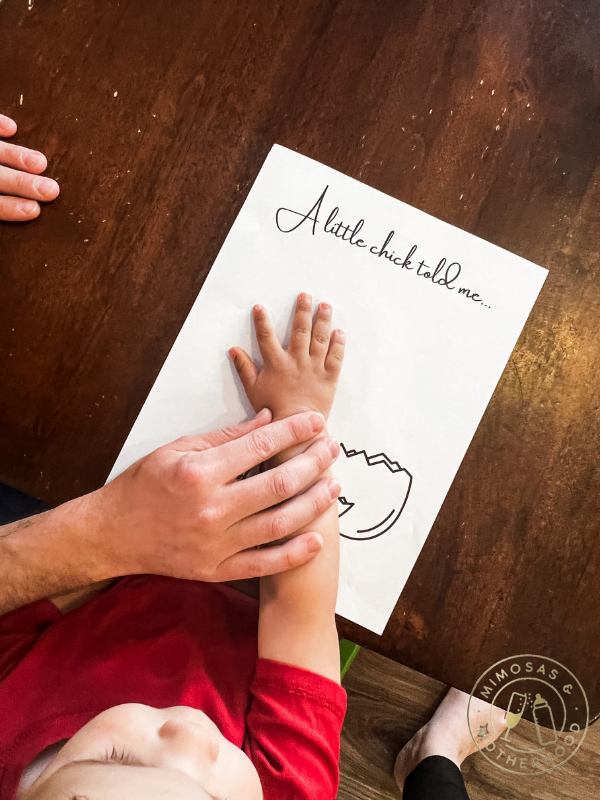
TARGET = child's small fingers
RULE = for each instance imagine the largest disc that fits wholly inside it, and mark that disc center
(335, 356)
(268, 343)
(302, 325)
(244, 366)
(321, 332)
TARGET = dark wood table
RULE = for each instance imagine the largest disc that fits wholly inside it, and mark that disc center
(156, 117)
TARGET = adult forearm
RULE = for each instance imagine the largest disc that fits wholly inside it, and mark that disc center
(53, 553)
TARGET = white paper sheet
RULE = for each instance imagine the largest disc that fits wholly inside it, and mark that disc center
(426, 345)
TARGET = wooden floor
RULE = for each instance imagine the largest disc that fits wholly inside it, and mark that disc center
(387, 703)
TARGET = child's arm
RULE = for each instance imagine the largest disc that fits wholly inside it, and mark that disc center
(297, 609)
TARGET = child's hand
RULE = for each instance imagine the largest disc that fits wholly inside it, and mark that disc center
(297, 611)
(302, 378)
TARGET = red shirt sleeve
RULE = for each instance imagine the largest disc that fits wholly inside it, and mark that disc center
(293, 732)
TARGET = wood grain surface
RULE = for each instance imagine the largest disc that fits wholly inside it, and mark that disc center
(156, 118)
(388, 703)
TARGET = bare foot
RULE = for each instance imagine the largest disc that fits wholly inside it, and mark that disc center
(447, 733)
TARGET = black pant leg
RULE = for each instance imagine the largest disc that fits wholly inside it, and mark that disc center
(435, 778)
(16, 505)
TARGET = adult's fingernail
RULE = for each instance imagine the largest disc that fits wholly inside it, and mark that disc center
(333, 447)
(34, 160)
(27, 207)
(315, 544)
(335, 487)
(45, 186)
(316, 423)
(7, 122)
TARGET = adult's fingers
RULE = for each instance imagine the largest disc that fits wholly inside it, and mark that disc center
(271, 560)
(21, 184)
(206, 441)
(244, 367)
(256, 494)
(13, 209)
(234, 458)
(282, 521)
(25, 188)
(301, 326)
(8, 127)
(11, 155)
(335, 355)
(268, 343)
(321, 333)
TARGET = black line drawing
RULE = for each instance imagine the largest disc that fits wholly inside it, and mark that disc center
(379, 524)
(387, 490)
(348, 505)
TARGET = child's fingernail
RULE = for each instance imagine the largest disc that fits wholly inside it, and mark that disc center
(315, 544)
(341, 335)
(264, 412)
(231, 352)
(326, 308)
(304, 297)
(335, 487)
(258, 307)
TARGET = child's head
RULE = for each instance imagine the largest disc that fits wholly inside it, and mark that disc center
(136, 751)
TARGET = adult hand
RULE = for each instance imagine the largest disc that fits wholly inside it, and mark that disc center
(20, 186)
(181, 511)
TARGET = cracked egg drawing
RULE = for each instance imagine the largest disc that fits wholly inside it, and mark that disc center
(380, 479)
